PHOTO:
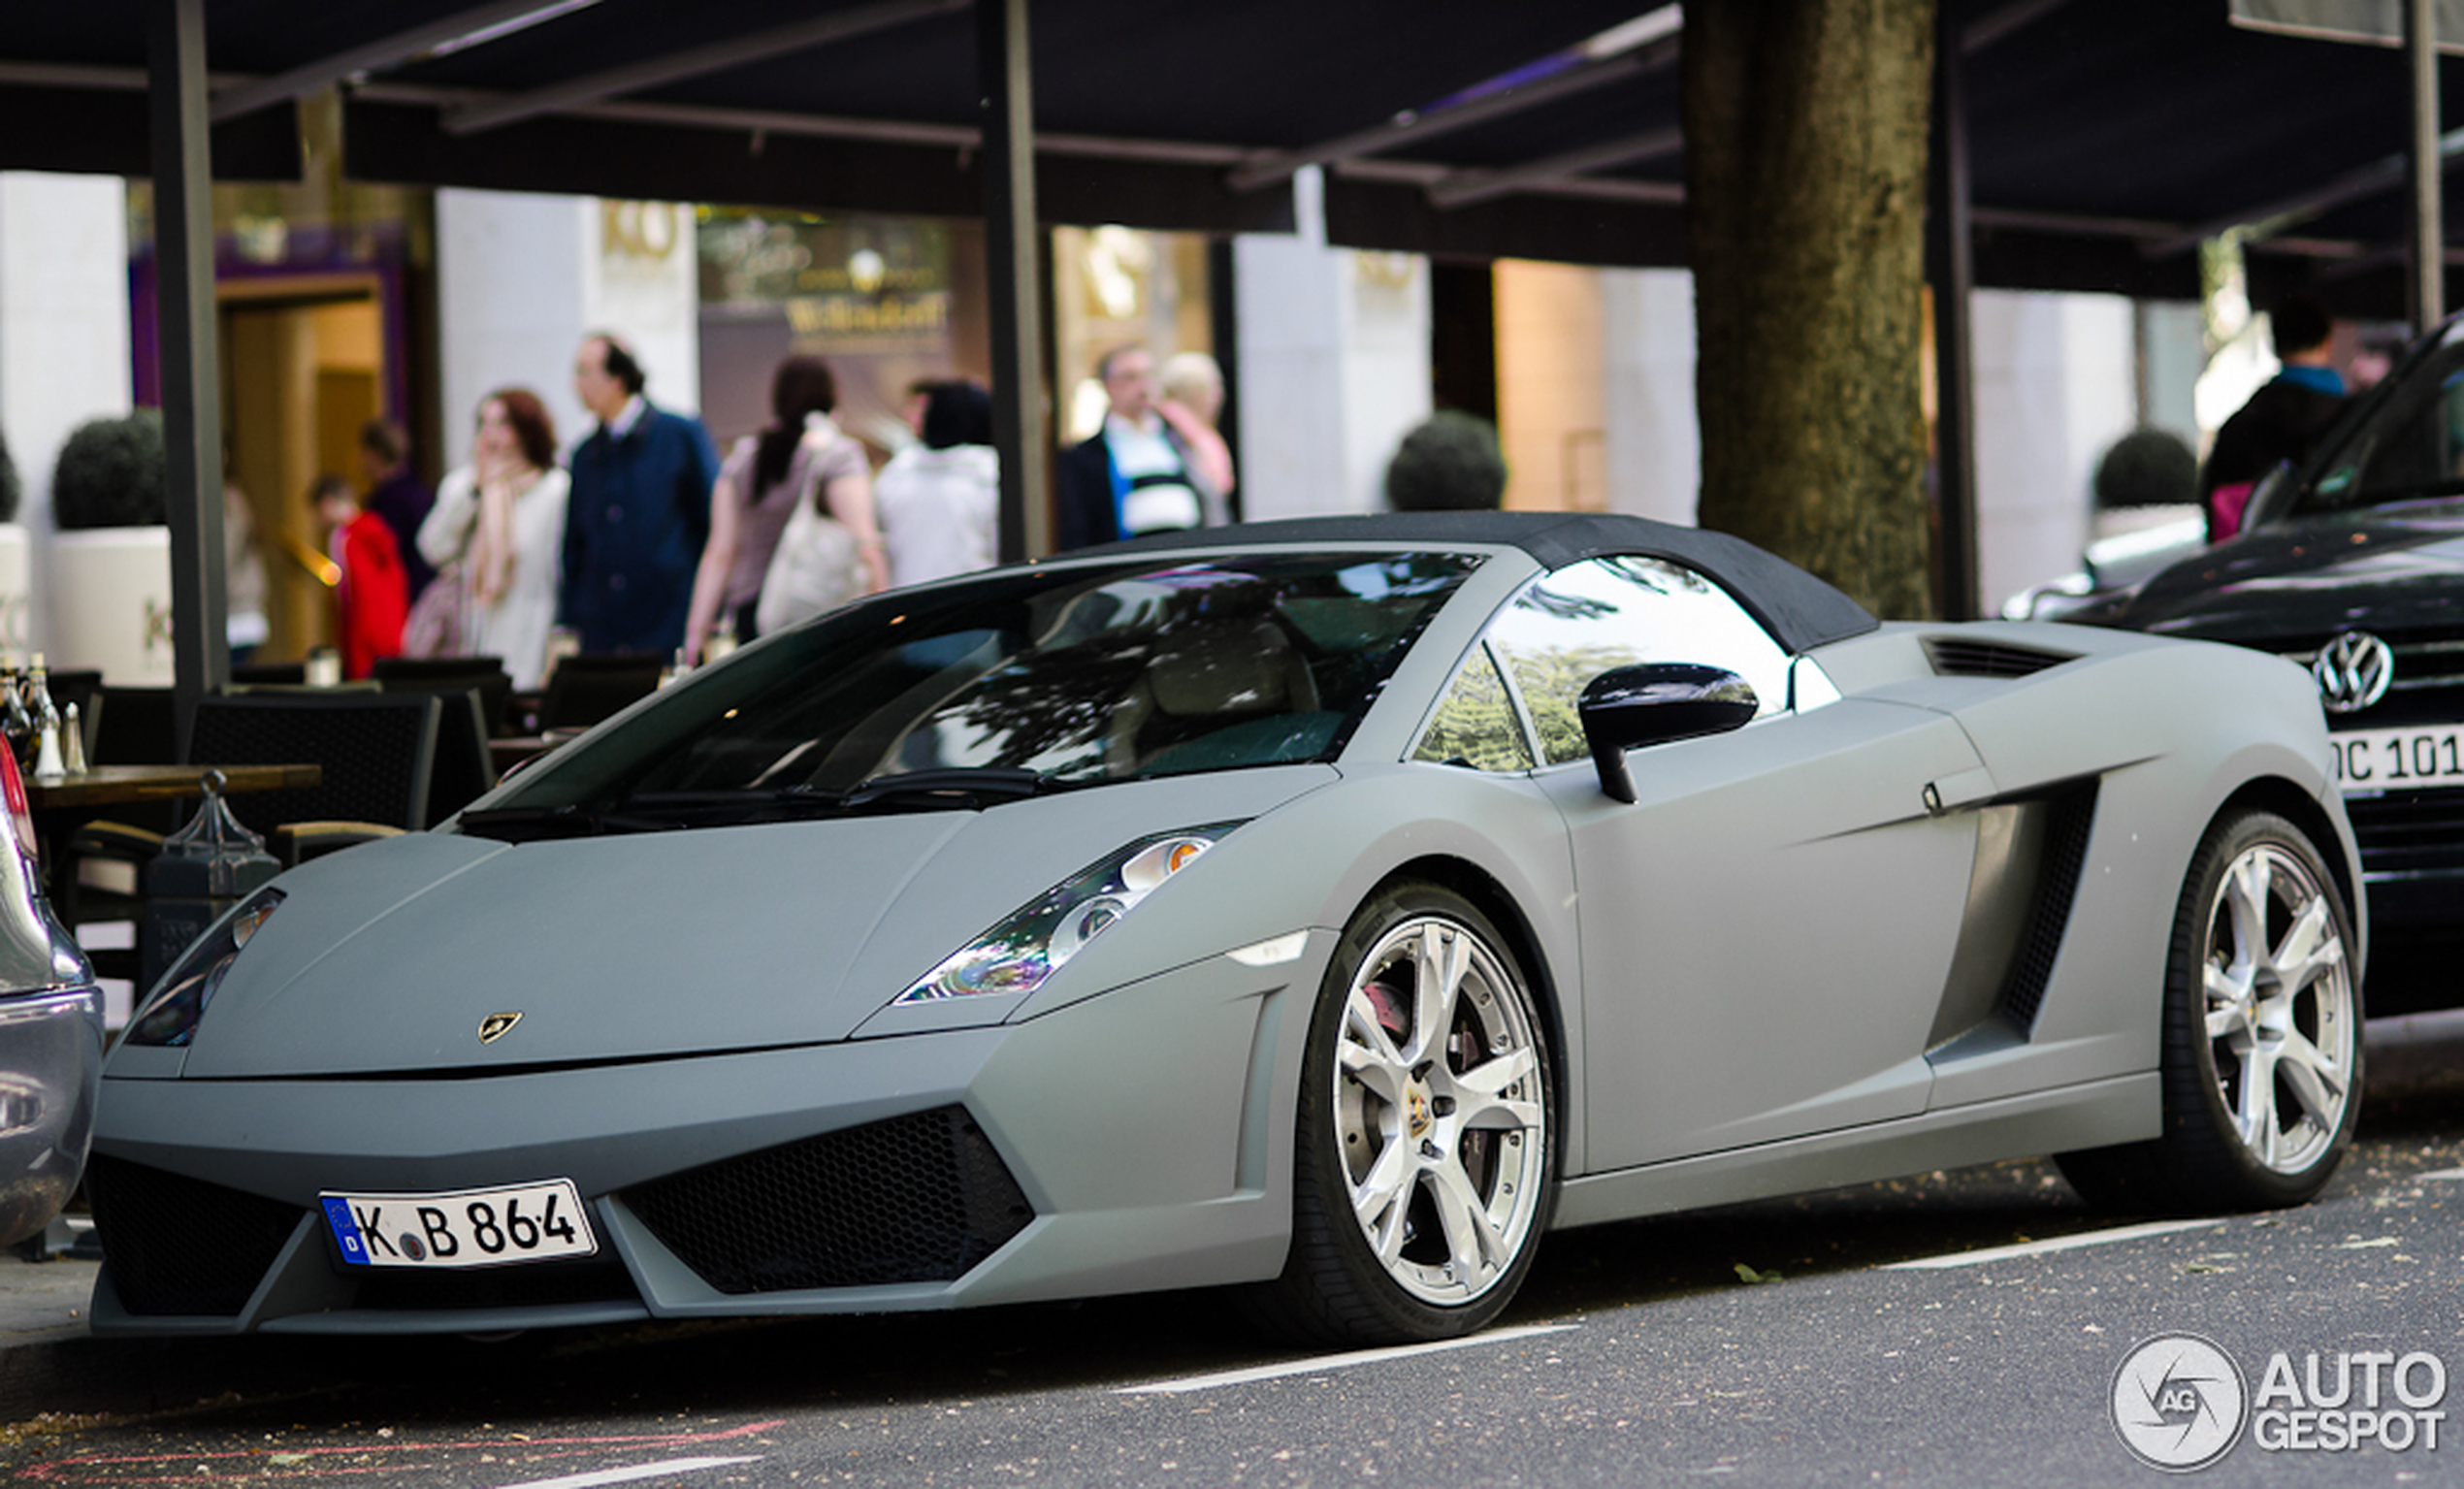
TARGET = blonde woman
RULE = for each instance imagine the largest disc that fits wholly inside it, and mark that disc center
(1192, 389)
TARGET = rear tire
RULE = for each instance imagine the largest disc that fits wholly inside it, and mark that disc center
(2261, 1060)
(1424, 1163)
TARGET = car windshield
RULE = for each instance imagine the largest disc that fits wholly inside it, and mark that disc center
(1018, 683)
(2408, 446)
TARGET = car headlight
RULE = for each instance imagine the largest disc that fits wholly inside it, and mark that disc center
(170, 1017)
(1017, 954)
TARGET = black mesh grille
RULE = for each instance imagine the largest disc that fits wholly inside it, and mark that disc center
(181, 1247)
(541, 1284)
(914, 1199)
(2406, 833)
(2056, 886)
(1957, 658)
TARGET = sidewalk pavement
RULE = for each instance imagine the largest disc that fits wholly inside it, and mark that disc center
(44, 1302)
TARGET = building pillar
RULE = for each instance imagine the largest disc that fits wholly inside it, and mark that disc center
(1654, 442)
(1333, 368)
(522, 277)
(64, 351)
(2054, 391)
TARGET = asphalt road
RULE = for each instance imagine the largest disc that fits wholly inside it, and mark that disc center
(1784, 1342)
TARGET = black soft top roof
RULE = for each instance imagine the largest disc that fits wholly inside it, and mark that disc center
(1798, 610)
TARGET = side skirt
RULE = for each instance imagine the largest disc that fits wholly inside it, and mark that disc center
(2126, 1109)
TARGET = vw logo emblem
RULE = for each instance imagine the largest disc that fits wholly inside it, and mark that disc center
(2354, 671)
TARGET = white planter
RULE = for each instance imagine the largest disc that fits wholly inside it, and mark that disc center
(17, 593)
(110, 595)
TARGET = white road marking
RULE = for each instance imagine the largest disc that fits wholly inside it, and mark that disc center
(2047, 1248)
(1318, 1365)
(639, 1471)
(2446, 1174)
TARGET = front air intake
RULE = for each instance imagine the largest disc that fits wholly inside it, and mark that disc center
(181, 1248)
(914, 1199)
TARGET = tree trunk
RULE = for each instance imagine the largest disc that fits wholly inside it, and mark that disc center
(1806, 127)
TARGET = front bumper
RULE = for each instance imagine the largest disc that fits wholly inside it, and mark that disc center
(1144, 1135)
(51, 1059)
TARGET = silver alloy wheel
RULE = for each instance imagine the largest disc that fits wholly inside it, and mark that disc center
(1440, 1109)
(2280, 1019)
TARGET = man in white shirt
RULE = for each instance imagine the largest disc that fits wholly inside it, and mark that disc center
(1133, 476)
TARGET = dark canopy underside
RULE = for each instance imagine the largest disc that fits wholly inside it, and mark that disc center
(2106, 134)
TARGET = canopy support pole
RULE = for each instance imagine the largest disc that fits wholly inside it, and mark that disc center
(191, 391)
(2424, 164)
(1951, 271)
(1013, 263)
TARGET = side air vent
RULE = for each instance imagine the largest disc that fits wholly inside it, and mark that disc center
(1960, 657)
(2066, 834)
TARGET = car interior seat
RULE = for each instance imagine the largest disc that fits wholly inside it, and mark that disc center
(1200, 680)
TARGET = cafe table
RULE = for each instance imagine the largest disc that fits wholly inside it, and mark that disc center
(64, 805)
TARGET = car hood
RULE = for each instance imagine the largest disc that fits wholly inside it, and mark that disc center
(2397, 568)
(388, 958)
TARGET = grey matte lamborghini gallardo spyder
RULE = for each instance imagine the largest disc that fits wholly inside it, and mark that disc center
(1325, 909)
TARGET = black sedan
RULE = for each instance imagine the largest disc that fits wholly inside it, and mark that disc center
(2353, 567)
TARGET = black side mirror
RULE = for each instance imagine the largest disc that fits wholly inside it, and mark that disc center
(1658, 701)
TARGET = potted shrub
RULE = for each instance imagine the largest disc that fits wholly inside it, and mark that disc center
(112, 558)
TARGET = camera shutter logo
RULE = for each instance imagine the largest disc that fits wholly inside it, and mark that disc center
(2179, 1403)
(2354, 671)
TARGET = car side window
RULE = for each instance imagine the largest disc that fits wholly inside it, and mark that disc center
(1569, 627)
(1473, 724)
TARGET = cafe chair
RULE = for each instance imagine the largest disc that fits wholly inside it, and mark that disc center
(444, 674)
(132, 727)
(270, 674)
(76, 687)
(377, 749)
(125, 725)
(377, 752)
(583, 690)
(462, 771)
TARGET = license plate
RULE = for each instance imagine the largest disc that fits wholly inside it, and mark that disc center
(466, 1228)
(2405, 759)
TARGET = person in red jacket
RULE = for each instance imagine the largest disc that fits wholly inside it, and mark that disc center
(373, 596)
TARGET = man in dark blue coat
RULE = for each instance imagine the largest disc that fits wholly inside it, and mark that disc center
(639, 511)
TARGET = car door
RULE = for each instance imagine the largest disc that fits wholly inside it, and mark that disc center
(1767, 929)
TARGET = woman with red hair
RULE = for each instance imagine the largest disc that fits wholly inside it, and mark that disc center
(498, 524)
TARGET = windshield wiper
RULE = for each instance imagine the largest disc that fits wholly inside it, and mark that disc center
(531, 824)
(976, 785)
(731, 805)
(661, 811)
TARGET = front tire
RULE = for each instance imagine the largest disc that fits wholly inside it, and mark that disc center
(1423, 1169)
(2261, 1062)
